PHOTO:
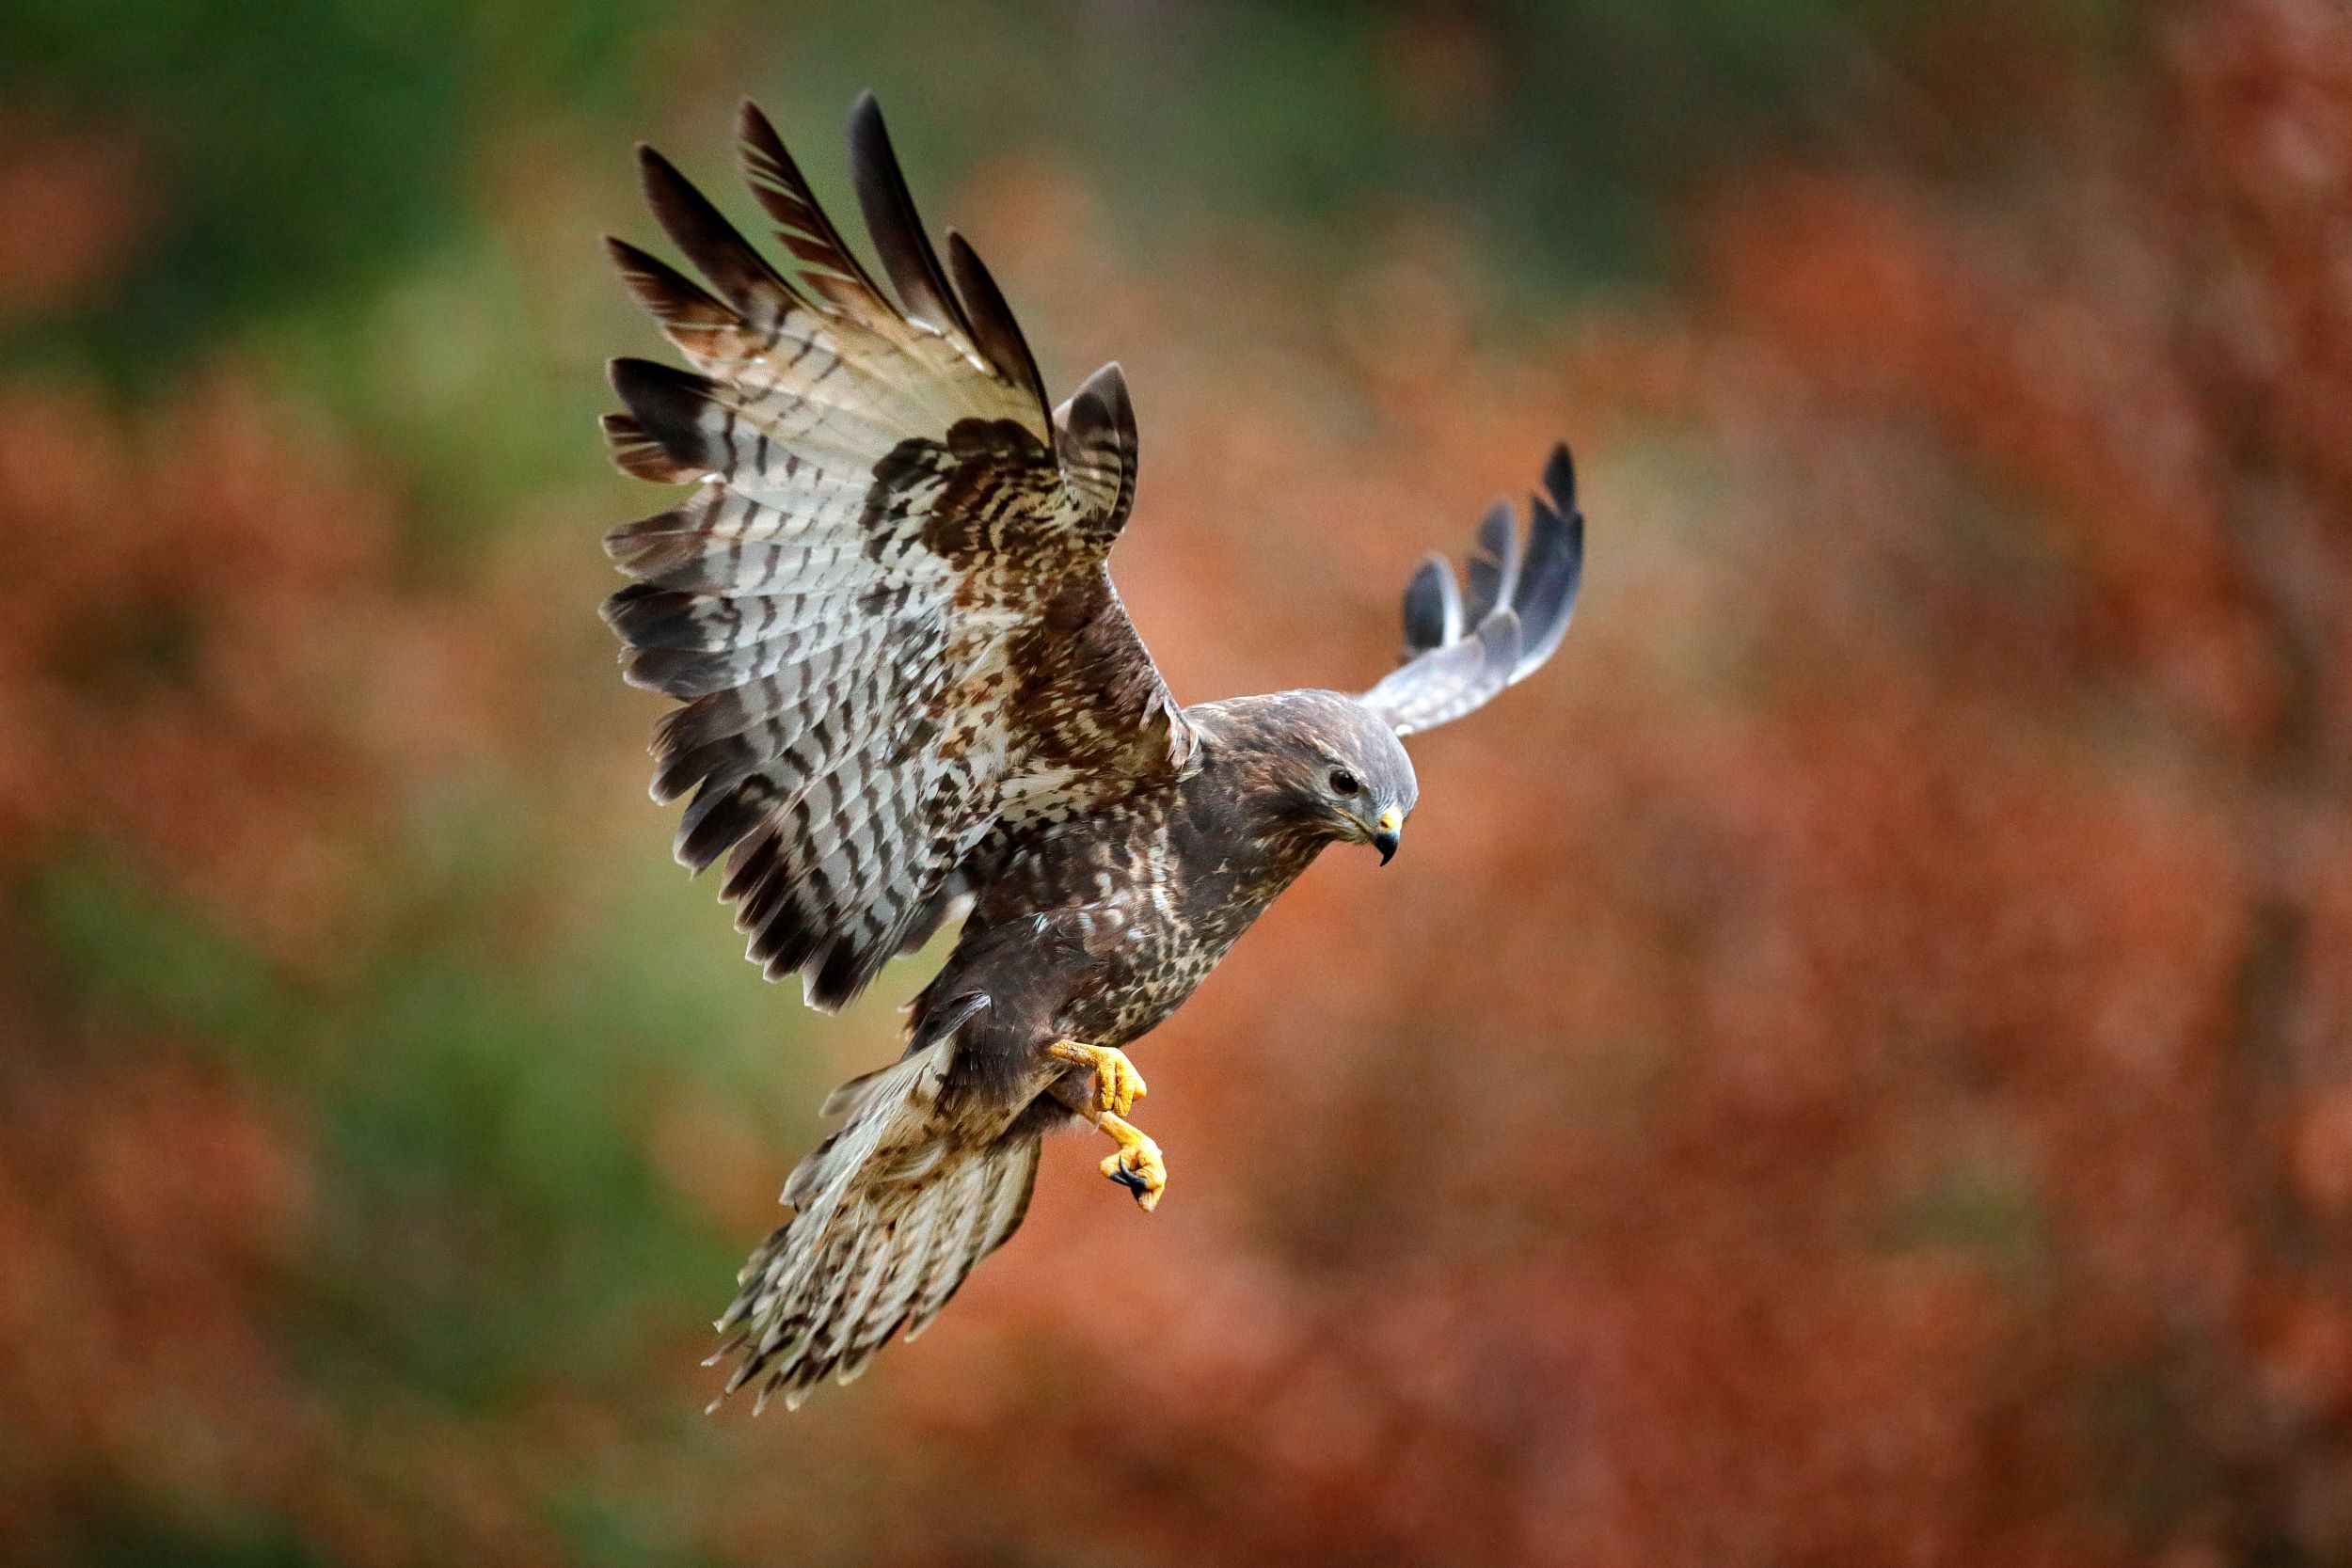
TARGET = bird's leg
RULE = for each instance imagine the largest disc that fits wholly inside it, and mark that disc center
(1116, 1083)
(1136, 1165)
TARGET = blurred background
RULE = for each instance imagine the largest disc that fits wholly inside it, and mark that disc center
(1849, 1069)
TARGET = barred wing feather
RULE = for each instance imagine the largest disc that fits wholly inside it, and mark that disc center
(884, 605)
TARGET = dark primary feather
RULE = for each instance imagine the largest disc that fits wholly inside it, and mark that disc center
(1433, 606)
(1556, 557)
(672, 298)
(742, 276)
(831, 267)
(999, 335)
(667, 404)
(1448, 673)
(897, 227)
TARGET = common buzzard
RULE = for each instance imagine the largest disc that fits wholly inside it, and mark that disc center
(909, 695)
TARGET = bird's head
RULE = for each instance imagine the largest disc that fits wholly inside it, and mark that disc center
(1331, 769)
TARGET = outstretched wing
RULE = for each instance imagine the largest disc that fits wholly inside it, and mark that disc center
(884, 605)
(1460, 652)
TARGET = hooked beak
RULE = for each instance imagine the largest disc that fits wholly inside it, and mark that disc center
(1385, 836)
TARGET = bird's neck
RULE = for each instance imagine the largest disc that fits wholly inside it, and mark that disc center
(1246, 824)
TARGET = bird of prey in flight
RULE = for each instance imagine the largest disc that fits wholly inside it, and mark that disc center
(909, 695)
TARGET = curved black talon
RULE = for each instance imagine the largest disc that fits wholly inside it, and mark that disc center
(1132, 1180)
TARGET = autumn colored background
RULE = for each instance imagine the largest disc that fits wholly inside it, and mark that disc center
(1849, 1069)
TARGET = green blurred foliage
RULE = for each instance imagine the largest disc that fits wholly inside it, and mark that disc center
(305, 149)
(311, 150)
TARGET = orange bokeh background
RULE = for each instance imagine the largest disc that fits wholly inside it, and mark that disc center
(1850, 1067)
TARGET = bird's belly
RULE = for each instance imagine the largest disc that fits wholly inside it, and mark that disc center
(1147, 978)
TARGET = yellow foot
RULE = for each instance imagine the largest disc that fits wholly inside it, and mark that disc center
(1116, 1083)
(1137, 1165)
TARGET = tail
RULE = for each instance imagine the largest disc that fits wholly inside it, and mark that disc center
(891, 1212)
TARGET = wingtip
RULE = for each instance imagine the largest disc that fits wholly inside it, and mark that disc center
(896, 226)
(1432, 607)
(1109, 383)
(1560, 476)
(633, 376)
(1100, 398)
(872, 156)
(866, 113)
(751, 126)
(663, 181)
(634, 260)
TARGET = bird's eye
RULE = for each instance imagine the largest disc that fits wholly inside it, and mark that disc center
(1343, 781)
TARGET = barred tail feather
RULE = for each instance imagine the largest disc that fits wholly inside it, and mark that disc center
(892, 1212)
